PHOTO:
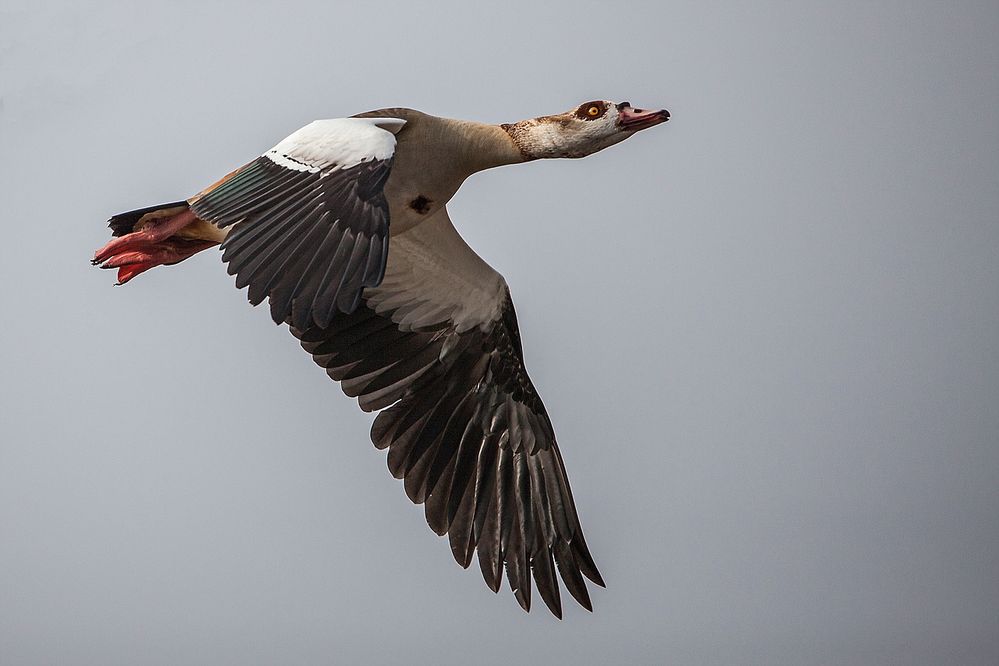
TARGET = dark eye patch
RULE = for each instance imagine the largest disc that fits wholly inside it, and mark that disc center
(591, 110)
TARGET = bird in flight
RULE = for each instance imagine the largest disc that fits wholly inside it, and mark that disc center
(343, 228)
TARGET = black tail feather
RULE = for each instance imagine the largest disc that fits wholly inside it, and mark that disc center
(124, 223)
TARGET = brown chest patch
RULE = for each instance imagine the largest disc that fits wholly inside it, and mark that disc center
(421, 204)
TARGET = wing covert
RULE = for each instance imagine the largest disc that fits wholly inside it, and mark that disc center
(310, 224)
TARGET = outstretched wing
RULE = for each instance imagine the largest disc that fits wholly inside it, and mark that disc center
(436, 347)
(310, 222)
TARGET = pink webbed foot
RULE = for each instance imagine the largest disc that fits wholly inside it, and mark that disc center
(154, 245)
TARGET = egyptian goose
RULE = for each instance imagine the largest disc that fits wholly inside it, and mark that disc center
(343, 227)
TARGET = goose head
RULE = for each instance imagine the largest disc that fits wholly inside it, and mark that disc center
(582, 131)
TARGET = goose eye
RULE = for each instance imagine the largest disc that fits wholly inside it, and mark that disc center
(591, 110)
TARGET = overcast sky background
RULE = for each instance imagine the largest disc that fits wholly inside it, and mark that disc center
(767, 334)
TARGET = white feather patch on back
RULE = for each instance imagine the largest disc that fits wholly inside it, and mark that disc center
(338, 143)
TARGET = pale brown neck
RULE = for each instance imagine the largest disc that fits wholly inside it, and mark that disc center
(537, 138)
(484, 146)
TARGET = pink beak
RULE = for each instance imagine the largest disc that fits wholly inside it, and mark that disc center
(632, 120)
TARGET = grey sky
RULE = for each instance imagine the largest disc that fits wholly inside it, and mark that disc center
(766, 333)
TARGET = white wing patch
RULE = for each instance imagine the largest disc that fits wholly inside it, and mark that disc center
(338, 143)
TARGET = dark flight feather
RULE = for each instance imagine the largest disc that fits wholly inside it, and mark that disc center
(308, 241)
(468, 434)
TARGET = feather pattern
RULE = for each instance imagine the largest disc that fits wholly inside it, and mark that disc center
(310, 222)
(465, 429)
